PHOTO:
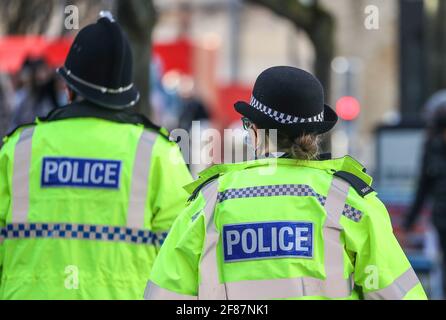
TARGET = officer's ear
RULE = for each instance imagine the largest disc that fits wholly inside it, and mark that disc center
(254, 134)
(71, 95)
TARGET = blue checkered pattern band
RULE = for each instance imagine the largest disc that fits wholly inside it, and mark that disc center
(352, 213)
(283, 117)
(297, 190)
(81, 232)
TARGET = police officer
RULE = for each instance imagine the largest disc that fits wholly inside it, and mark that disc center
(289, 224)
(432, 179)
(88, 194)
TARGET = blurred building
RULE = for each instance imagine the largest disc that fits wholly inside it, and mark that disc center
(377, 53)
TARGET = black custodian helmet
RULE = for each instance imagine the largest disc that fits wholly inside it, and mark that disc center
(99, 65)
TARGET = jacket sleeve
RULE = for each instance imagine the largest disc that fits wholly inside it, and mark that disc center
(381, 267)
(175, 273)
(169, 174)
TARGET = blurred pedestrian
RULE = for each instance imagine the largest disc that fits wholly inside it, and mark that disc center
(36, 96)
(6, 102)
(88, 193)
(432, 179)
(291, 224)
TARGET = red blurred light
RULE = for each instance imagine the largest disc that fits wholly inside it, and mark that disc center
(348, 108)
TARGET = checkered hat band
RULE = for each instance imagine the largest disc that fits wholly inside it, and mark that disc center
(296, 190)
(82, 232)
(283, 117)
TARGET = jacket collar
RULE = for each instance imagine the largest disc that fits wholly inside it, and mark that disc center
(86, 109)
(346, 163)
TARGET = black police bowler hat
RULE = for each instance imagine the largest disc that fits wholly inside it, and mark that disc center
(99, 65)
(290, 100)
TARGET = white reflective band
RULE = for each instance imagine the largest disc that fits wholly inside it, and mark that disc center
(334, 286)
(140, 180)
(96, 87)
(154, 292)
(397, 290)
(210, 287)
(20, 178)
(279, 288)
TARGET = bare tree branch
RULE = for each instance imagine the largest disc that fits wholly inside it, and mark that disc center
(21, 16)
(316, 22)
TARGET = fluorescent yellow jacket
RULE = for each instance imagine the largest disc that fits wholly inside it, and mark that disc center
(86, 200)
(283, 229)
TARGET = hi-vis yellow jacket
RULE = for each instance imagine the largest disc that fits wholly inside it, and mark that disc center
(86, 199)
(283, 229)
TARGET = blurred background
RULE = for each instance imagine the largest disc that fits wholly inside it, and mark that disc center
(382, 62)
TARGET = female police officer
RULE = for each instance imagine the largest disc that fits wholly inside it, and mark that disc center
(288, 224)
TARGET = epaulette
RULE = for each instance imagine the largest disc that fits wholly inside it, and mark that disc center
(201, 186)
(17, 128)
(360, 186)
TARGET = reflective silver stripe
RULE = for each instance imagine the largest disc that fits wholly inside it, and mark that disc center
(397, 290)
(210, 287)
(20, 178)
(81, 232)
(277, 288)
(96, 87)
(334, 285)
(154, 292)
(140, 180)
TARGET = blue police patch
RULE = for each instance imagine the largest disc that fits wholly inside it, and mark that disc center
(268, 240)
(76, 172)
